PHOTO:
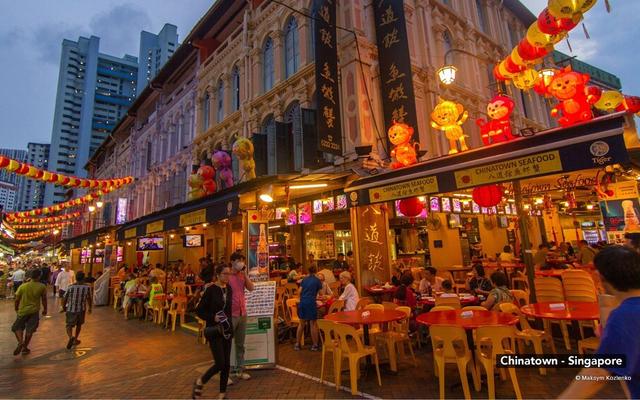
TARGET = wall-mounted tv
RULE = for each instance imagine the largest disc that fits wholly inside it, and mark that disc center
(150, 243)
(192, 240)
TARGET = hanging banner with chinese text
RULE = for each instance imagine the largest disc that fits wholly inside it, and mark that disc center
(398, 101)
(373, 245)
(326, 52)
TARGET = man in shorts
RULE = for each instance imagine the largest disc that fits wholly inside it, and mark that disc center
(27, 304)
(76, 299)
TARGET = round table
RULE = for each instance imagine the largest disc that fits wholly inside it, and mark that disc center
(573, 310)
(477, 320)
(378, 291)
(464, 301)
(556, 273)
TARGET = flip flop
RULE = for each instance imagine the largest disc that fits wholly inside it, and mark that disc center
(18, 349)
(25, 351)
(69, 343)
(196, 392)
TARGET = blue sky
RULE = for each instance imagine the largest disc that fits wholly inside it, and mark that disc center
(31, 33)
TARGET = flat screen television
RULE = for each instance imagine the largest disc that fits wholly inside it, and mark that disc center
(192, 240)
(150, 243)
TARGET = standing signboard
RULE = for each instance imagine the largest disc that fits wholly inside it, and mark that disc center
(621, 212)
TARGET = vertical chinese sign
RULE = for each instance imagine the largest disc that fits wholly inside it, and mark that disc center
(373, 244)
(328, 88)
(398, 101)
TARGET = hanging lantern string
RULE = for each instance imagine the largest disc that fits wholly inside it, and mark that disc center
(32, 172)
(61, 206)
(40, 226)
(43, 220)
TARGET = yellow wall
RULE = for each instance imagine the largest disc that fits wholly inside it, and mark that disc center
(493, 239)
(451, 252)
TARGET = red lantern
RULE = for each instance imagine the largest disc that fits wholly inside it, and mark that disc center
(512, 66)
(630, 104)
(411, 207)
(4, 161)
(39, 174)
(23, 169)
(497, 74)
(487, 196)
(207, 172)
(529, 52)
(85, 183)
(551, 25)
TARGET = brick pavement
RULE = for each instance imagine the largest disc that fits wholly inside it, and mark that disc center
(132, 359)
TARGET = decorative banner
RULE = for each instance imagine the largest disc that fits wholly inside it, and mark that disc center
(130, 233)
(372, 239)
(416, 187)
(57, 218)
(398, 100)
(257, 246)
(193, 217)
(154, 227)
(621, 212)
(42, 226)
(32, 172)
(61, 206)
(326, 53)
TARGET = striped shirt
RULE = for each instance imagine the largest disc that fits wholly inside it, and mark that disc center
(76, 297)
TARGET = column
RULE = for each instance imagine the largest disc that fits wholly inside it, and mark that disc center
(278, 57)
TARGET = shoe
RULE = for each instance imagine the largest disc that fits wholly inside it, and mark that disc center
(76, 342)
(196, 391)
(222, 395)
(296, 347)
(315, 348)
(25, 351)
(70, 343)
(229, 382)
(243, 375)
(18, 349)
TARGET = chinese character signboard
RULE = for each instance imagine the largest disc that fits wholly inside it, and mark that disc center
(373, 245)
(398, 101)
(326, 52)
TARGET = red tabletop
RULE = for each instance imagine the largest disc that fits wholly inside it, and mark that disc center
(356, 318)
(377, 289)
(431, 301)
(573, 310)
(550, 272)
(477, 320)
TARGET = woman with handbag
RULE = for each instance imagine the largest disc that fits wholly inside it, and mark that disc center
(215, 309)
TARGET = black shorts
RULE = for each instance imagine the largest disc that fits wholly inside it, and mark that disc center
(61, 293)
(27, 322)
(75, 318)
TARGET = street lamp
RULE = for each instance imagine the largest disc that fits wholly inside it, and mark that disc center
(99, 204)
(91, 208)
(447, 73)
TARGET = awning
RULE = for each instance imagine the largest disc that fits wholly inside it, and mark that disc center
(86, 239)
(593, 144)
(221, 205)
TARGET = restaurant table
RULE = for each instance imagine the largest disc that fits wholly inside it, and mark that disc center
(556, 273)
(464, 300)
(378, 291)
(366, 318)
(573, 311)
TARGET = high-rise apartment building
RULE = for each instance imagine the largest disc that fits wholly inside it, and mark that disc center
(94, 92)
(9, 181)
(31, 191)
(155, 50)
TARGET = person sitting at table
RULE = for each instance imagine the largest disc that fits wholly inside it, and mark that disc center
(540, 258)
(619, 267)
(326, 290)
(585, 253)
(154, 290)
(405, 296)
(476, 282)
(447, 287)
(130, 287)
(397, 274)
(308, 309)
(295, 273)
(499, 294)
(329, 278)
(350, 293)
(430, 280)
(506, 255)
(340, 263)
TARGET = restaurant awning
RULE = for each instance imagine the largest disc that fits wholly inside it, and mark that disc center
(593, 144)
(86, 239)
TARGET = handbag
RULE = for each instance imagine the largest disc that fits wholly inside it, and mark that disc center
(218, 330)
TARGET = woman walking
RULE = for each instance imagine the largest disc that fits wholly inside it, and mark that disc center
(215, 309)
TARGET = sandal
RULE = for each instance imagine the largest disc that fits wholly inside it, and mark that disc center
(196, 392)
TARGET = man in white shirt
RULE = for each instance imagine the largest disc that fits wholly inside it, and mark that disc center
(63, 281)
(350, 293)
(18, 278)
(329, 278)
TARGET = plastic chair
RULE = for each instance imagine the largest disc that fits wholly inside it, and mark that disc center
(442, 308)
(292, 289)
(335, 288)
(396, 337)
(490, 342)
(117, 297)
(474, 308)
(363, 302)
(177, 307)
(450, 347)
(294, 320)
(550, 289)
(591, 344)
(374, 329)
(179, 288)
(330, 344)
(521, 296)
(519, 280)
(449, 301)
(352, 348)
(280, 309)
(527, 334)
(201, 326)
(336, 306)
(388, 305)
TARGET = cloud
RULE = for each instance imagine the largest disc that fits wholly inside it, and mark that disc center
(119, 29)
(47, 39)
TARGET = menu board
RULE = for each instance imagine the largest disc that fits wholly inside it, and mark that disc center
(261, 300)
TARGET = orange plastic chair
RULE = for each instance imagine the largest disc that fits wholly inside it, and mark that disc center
(519, 280)
(294, 320)
(449, 301)
(280, 308)
(396, 337)
(337, 305)
(351, 348)
(330, 344)
(521, 296)
(490, 342)
(450, 347)
(179, 288)
(442, 308)
(474, 308)
(388, 305)
(528, 334)
(178, 307)
(293, 290)
(550, 289)
(363, 302)
(117, 297)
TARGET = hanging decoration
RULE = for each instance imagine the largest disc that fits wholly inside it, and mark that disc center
(35, 173)
(41, 226)
(222, 163)
(630, 104)
(498, 129)
(57, 218)
(404, 152)
(487, 196)
(448, 116)
(202, 183)
(609, 101)
(243, 149)
(61, 206)
(569, 87)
